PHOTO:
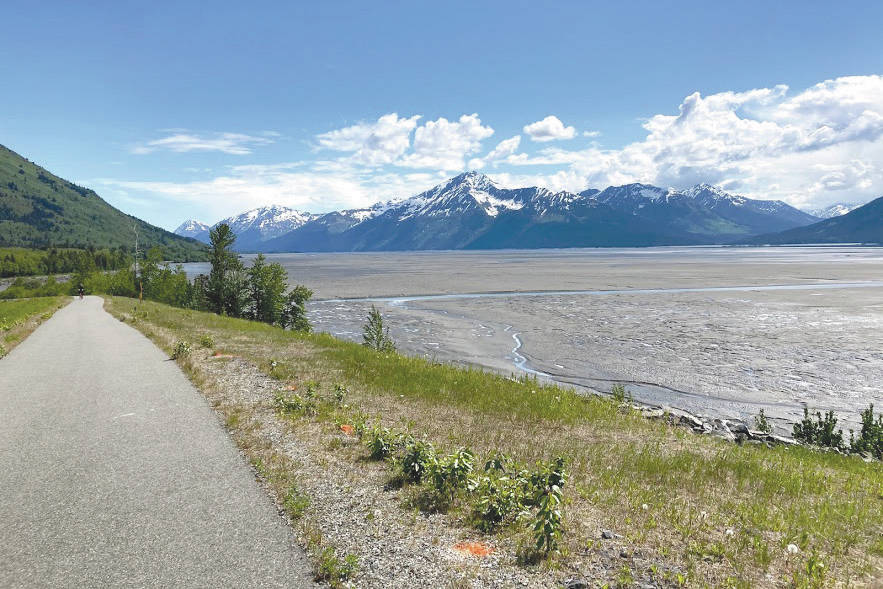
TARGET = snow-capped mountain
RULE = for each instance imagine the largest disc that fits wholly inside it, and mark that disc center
(253, 227)
(195, 229)
(471, 211)
(835, 210)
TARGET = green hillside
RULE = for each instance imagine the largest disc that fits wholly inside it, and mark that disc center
(39, 210)
(861, 225)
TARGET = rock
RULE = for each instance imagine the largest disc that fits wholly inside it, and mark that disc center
(737, 427)
(607, 534)
(654, 413)
(623, 554)
(575, 584)
(783, 440)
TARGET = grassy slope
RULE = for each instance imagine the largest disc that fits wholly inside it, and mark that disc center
(39, 209)
(722, 512)
(19, 317)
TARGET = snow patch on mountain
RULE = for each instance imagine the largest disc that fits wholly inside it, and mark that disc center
(835, 210)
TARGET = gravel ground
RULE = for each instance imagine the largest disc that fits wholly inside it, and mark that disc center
(356, 512)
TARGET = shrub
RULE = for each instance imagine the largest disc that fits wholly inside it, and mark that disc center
(452, 472)
(294, 404)
(499, 499)
(207, 341)
(619, 394)
(819, 431)
(181, 350)
(340, 393)
(418, 459)
(548, 525)
(761, 423)
(381, 443)
(870, 437)
(2, 350)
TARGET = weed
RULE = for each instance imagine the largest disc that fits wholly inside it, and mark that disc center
(295, 503)
(334, 570)
(340, 393)
(381, 443)
(207, 341)
(181, 350)
(619, 394)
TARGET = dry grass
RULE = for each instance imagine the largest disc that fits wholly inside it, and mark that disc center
(717, 513)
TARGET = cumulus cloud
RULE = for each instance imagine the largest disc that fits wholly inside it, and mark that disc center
(504, 149)
(375, 143)
(808, 147)
(549, 129)
(184, 142)
(765, 142)
(444, 144)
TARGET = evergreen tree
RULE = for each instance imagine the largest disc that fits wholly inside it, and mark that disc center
(266, 288)
(375, 335)
(294, 312)
(225, 289)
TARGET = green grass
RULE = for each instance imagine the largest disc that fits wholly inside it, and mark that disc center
(719, 513)
(21, 316)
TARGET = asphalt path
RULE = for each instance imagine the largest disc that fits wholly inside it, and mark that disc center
(115, 472)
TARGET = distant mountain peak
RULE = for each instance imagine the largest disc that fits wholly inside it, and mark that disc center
(472, 178)
(835, 210)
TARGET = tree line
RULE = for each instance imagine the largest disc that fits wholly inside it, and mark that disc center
(259, 292)
(29, 262)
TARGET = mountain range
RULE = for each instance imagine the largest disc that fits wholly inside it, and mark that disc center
(470, 211)
(39, 209)
(253, 227)
(863, 224)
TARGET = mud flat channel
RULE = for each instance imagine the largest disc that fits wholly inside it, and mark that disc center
(714, 331)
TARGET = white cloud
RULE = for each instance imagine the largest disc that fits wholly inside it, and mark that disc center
(549, 129)
(810, 148)
(377, 143)
(183, 142)
(591, 133)
(504, 149)
(806, 148)
(444, 145)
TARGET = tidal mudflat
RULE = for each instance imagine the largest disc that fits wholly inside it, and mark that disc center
(717, 331)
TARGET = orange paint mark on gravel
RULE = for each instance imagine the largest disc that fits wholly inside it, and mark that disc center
(220, 355)
(348, 429)
(473, 548)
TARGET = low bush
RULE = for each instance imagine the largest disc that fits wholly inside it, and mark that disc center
(207, 341)
(380, 443)
(870, 437)
(181, 350)
(418, 459)
(819, 431)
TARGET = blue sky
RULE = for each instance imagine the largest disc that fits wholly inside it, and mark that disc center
(177, 110)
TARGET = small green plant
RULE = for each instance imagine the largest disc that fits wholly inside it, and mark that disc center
(811, 577)
(499, 499)
(375, 335)
(295, 503)
(819, 431)
(340, 393)
(294, 404)
(334, 570)
(2, 350)
(450, 473)
(418, 459)
(380, 443)
(181, 350)
(547, 524)
(620, 395)
(207, 341)
(762, 424)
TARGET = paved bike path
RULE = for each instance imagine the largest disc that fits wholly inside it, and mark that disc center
(114, 471)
